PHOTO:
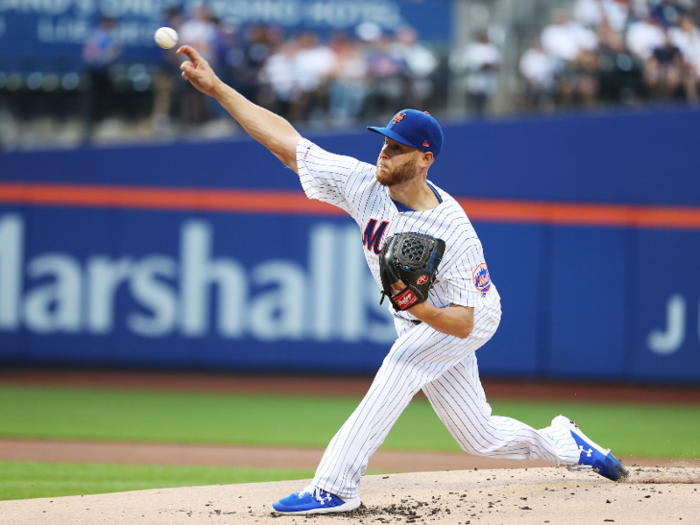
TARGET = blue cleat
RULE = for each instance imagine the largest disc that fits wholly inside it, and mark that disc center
(313, 500)
(592, 456)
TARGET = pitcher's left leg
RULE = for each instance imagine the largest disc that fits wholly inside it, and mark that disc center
(416, 358)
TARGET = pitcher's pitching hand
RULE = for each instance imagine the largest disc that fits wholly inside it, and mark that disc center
(198, 71)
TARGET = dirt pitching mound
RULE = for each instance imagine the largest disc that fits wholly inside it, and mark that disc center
(523, 496)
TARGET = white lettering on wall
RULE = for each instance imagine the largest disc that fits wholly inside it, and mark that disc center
(278, 312)
(54, 305)
(140, 8)
(149, 289)
(75, 30)
(197, 294)
(104, 277)
(64, 29)
(11, 260)
(322, 266)
(70, 21)
(669, 341)
(200, 276)
(47, 7)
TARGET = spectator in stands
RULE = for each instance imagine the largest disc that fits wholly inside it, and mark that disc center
(480, 61)
(538, 69)
(100, 52)
(199, 29)
(665, 71)
(278, 77)
(573, 46)
(223, 40)
(421, 64)
(248, 61)
(388, 73)
(686, 37)
(621, 73)
(313, 64)
(349, 81)
(644, 36)
(667, 13)
(593, 13)
(566, 40)
(200, 32)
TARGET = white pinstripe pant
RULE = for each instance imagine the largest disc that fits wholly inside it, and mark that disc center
(445, 368)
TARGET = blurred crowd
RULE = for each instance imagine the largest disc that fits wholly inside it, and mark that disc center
(596, 53)
(605, 52)
(299, 76)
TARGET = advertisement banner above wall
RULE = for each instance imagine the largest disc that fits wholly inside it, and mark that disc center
(37, 32)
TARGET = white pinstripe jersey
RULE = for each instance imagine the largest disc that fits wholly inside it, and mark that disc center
(351, 185)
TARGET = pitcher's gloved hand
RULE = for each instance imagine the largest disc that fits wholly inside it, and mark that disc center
(411, 259)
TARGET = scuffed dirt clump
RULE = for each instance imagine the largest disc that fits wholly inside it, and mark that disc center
(412, 511)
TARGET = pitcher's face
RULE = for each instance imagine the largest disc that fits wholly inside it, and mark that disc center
(397, 163)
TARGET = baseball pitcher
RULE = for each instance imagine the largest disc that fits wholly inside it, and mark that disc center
(429, 263)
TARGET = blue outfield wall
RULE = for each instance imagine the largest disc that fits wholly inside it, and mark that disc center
(99, 285)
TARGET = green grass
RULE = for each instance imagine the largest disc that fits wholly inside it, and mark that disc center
(24, 480)
(170, 416)
(61, 413)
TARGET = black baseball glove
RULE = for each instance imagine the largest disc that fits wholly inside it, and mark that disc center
(412, 258)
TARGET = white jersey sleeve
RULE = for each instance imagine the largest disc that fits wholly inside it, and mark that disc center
(334, 179)
(469, 279)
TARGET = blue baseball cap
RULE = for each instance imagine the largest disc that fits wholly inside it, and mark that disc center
(414, 128)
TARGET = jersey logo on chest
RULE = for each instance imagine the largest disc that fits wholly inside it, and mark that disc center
(373, 235)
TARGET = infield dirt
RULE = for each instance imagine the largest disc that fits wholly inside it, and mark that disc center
(522, 496)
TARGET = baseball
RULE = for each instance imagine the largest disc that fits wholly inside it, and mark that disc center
(166, 37)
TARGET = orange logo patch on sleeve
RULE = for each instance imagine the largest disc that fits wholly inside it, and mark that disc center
(482, 278)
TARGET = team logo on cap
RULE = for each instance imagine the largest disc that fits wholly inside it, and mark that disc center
(425, 144)
(482, 278)
(398, 118)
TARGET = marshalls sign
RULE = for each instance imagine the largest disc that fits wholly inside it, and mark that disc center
(194, 292)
